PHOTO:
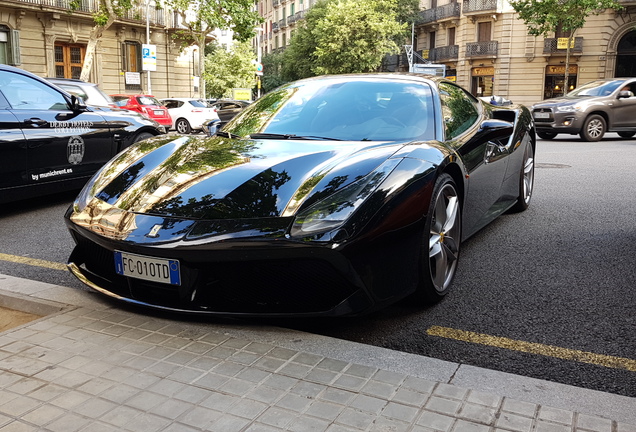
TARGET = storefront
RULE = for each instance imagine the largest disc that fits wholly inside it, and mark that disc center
(555, 80)
(483, 80)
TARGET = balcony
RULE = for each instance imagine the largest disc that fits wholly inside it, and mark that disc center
(282, 23)
(275, 3)
(275, 27)
(475, 7)
(157, 17)
(291, 19)
(487, 49)
(445, 53)
(300, 15)
(440, 13)
(559, 46)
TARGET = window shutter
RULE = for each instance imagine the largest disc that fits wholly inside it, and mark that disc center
(124, 66)
(14, 41)
(139, 59)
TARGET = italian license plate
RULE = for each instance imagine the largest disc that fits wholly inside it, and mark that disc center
(158, 112)
(148, 268)
(542, 115)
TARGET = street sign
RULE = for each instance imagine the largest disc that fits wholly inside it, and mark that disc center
(149, 57)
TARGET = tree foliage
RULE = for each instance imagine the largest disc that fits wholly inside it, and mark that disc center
(200, 17)
(105, 15)
(343, 36)
(225, 70)
(542, 17)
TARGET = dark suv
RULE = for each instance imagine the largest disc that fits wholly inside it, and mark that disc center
(591, 110)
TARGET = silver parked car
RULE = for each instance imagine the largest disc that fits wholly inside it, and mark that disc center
(591, 110)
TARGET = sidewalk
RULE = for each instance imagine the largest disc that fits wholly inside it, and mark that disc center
(91, 366)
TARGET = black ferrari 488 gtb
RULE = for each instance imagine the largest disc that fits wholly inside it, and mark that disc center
(334, 195)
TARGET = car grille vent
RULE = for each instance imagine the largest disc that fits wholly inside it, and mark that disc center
(294, 286)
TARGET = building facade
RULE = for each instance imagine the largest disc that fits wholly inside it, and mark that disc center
(47, 38)
(487, 49)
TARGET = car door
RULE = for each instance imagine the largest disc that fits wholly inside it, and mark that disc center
(484, 158)
(61, 143)
(623, 109)
(13, 153)
(227, 110)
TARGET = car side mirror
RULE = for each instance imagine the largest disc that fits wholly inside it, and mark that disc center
(211, 127)
(625, 94)
(77, 103)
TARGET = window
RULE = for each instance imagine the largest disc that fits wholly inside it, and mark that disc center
(9, 46)
(459, 109)
(24, 93)
(484, 31)
(431, 40)
(451, 36)
(69, 60)
(131, 60)
(131, 56)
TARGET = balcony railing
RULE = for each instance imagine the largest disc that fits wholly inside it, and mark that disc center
(450, 10)
(300, 15)
(155, 16)
(276, 3)
(291, 19)
(482, 49)
(445, 53)
(559, 46)
(275, 27)
(479, 6)
(282, 23)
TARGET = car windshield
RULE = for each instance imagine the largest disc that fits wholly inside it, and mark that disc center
(340, 109)
(596, 88)
(90, 94)
(148, 100)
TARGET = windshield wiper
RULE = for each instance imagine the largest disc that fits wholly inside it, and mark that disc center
(227, 134)
(291, 136)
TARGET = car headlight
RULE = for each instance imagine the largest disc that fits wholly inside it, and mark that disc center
(332, 211)
(568, 108)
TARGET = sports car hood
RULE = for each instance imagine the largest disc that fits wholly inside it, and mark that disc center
(223, 178)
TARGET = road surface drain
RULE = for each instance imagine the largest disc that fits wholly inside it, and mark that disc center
(10, 318)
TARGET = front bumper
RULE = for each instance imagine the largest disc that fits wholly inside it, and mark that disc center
(570, 123)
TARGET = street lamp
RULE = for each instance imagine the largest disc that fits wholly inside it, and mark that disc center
(148, 39)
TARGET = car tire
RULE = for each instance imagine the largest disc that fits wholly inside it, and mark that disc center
(547, 135)
(441, 238)
(626, 134)
(594, 128)
(526, 181)
(183, 126)
(142, 136)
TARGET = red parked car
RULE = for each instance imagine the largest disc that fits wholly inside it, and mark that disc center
(146, 105)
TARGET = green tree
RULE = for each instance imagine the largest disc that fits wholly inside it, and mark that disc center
(343, 36)
(105, 15)
(225, 70)
(543, 17)
(200, 18)
(272, 67)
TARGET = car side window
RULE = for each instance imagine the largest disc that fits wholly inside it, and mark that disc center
(24, 93)
(459, 109)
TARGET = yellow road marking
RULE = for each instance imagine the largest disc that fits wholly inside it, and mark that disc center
(534, 348)
(33, 262)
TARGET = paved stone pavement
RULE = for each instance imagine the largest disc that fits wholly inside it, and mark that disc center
(89, 365)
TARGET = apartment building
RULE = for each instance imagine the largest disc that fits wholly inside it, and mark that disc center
(487, 49)
(44, 37)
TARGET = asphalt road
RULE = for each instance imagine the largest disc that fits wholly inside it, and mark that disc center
(548, 293)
